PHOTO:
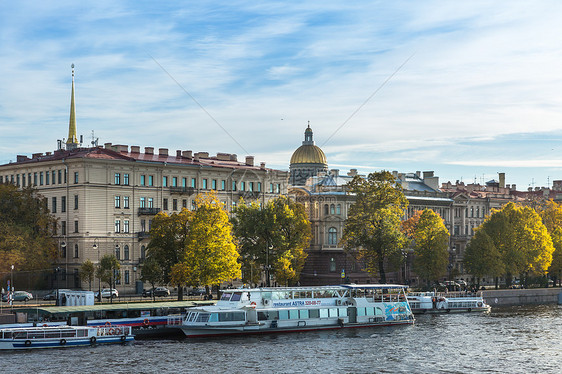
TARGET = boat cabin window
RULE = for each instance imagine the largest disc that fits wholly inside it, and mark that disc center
(283, 314)
(231, 316)
(203, 317)
(236, 296)
(226, 296)
(314, 313)
(280, 295)
(303, 313)
(293, 314)
(271, 315)
(323, 313)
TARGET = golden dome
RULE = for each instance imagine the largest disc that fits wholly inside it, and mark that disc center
(308, 154)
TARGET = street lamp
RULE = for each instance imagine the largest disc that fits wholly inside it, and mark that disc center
(96, 247)
(63, 246)
(267, 266)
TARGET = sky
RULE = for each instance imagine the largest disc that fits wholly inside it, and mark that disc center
(466, 89)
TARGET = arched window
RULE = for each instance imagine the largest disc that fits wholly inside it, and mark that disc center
(338, 209)
(118, 252)
(326, 209)
(332, 209)
(332, 236)
(143, 252)
(126, 253)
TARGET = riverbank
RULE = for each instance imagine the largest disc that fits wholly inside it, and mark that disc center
(523, 296)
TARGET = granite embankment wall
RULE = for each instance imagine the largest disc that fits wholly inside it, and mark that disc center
(523, 296)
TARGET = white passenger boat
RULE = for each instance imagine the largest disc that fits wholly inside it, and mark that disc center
(453, 302)
(295, 309)
(62, 336)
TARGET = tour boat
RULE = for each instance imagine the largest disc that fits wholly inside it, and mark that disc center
(295, 309)
(435, 302)
(62, 336)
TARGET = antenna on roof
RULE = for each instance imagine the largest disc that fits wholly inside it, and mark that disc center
(94, 140)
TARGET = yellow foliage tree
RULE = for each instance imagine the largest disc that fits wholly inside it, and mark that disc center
(210, 251)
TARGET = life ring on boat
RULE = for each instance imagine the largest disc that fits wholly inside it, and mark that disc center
(45, 325)
(93, 340)
(62, 341)
(108, 323)
(117, 331)
(253, 304)
(111, 331)
(479, 304)
(27, 343)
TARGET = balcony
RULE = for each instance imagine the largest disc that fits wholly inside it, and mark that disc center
(182, 190)
(148, 211)
(143, 235)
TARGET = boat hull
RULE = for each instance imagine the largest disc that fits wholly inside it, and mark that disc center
(208, 332)
(61, 343)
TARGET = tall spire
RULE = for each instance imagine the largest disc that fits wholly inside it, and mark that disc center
(72, 142)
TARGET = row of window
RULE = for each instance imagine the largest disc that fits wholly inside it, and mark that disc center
(54, 205)
(38, 178)
(118, 226)
(63, 228)
(332, 209)
(206, 184)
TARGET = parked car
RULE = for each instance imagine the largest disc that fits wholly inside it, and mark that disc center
(18, 296)
(53, 294)
(106, 293)
(196, 292)
(158, 291)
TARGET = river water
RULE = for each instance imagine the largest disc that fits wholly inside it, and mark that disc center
(525, 339)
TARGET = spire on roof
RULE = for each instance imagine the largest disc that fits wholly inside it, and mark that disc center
(72, 142)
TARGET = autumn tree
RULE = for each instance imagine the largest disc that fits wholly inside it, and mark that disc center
(87, 272)
(209, 255)
(482, 257)
(431, 241)
(26, 229)
(521, 238)
(373, 229)
(168, 240)
(274, 236)
(551, 215)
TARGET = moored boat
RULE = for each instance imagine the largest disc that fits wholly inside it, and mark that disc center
(454, 302)
(295, 309)
(62, 336)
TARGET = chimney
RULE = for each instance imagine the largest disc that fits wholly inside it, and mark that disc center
(121, 148)
(502, 180)
(557, 185)
(514, 187)
(250, 160)
(418, 173)
(187, 154)
(262, 165)
(149, 150)
(353, 172)
(162, 151)
(335, 172)
(196, 157)
(107, 145)
(178, 153)
(36, 155)
(427, 174)
(20, 158)
(135, 149)
(233, 157)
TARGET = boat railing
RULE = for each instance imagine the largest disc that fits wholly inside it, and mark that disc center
(41, 333)
(113, 330)
(174, 321)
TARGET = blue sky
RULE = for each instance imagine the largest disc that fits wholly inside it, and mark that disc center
(480, 94)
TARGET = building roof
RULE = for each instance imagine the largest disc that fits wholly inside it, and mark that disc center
(308, 153)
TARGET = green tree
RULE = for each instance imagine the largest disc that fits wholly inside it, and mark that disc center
(210, 255)
(151, 273)
(273, 236)
(168, 240)
(431, 239)
(482, 257)
(373, 228)
(87, 272)
(26, 229)
(556, 265)
(108, 271)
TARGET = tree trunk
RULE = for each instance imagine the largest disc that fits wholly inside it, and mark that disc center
(381, 271)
